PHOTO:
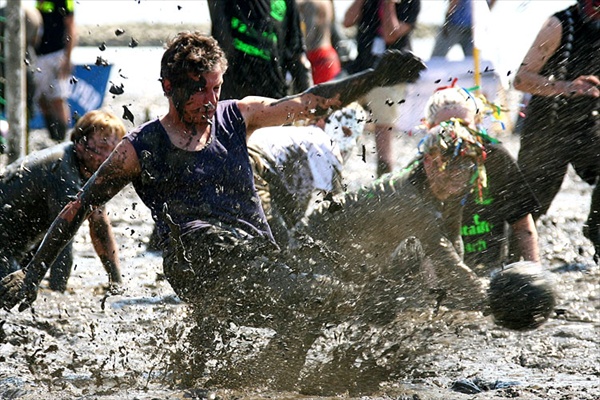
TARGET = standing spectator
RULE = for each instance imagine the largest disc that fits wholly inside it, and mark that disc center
(54, 64)
(263, 42)
(457, 28)
(319, 24)
(382, 24)
(561, 70)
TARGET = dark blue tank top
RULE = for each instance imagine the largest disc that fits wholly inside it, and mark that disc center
(213, 186)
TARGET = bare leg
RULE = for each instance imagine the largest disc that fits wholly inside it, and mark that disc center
(383, 144)
(56, 114)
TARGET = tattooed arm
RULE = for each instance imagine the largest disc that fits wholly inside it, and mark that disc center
(118, 170)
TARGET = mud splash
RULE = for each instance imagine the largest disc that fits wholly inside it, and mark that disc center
(139, 343)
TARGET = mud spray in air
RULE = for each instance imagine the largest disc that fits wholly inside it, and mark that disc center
(144, 343)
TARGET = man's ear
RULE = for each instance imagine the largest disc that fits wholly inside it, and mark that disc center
(428, 160)
(431, 162)
(166, 86)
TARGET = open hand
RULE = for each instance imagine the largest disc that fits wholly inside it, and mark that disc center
(398, 66)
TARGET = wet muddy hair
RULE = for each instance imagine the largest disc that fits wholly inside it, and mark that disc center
(99, 123)
(191, 52)
(455, 142)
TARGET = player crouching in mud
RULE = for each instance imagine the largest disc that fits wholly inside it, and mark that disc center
(414, 217)
(191, 168)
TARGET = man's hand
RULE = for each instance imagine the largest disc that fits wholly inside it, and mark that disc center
(17, 288)
(397, 66)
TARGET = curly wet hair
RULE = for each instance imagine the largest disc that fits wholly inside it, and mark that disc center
(191, 52)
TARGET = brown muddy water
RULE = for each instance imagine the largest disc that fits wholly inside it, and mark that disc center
(86, 344)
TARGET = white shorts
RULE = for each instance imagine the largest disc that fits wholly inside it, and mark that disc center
(383, 103)
(46, 76)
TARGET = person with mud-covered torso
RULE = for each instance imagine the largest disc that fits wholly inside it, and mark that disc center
(292, 163)
(413, 215)
(34, 189)
(562, 73)
(191, 168)
(499, 212)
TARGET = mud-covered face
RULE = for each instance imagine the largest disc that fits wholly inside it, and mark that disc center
(196, 97)
(94, 151)
(448, 177)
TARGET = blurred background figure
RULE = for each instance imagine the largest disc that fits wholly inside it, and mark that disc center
(381, 25)
(319, 25)
(264, 43)
(457, 28)
(54, 64)
(33, 34)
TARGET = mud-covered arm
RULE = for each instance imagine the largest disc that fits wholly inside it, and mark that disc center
(395, 66)
(105, 244)
(452, 217)
(451, 274)
(116, 172)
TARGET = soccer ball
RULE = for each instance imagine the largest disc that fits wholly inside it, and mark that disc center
(521, 296)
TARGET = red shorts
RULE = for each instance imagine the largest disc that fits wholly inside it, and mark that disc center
(325, 64)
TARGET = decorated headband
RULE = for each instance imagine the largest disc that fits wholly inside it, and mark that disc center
(493, 109)
(455, 139)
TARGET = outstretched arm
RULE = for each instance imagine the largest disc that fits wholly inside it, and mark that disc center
(105, 244)
(116, 172)
(394, 67)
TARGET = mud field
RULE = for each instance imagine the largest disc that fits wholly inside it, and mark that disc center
(87, 344)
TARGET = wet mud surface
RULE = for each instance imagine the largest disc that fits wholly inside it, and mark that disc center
(87, 343)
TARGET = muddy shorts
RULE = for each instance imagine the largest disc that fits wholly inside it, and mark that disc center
(226, 273)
